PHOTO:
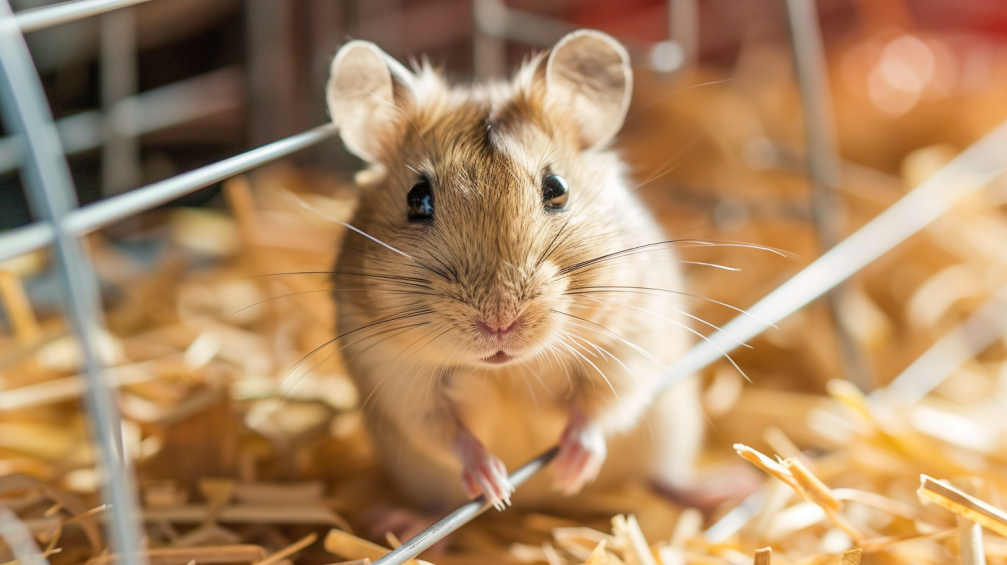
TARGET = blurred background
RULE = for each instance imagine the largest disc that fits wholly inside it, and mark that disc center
(144, 93)
(716, 139)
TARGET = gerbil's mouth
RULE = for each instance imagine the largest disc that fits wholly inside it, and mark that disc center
(498, 359)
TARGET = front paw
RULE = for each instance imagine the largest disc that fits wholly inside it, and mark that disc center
(483, 473)
(582, 452)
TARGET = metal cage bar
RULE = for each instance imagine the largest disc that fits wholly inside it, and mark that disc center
(108, 211)
(24, 239)
(118, 61)
(824, 166)
(147, 112)
(51, 192)
(35, 19)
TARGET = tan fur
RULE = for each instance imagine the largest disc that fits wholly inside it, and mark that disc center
(492, 252)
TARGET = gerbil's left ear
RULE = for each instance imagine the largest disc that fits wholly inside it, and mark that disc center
(589, 81)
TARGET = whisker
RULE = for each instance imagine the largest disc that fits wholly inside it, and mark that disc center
(550, 249)
(679, 243)
(346, 273)
(599, 289)
(606, 352)
(350, 227)
(714, 265)
(600, 372)
(671, 161)
(615, 335)
(338, 337)
(393, 372)
(701, 336)
(696, 318)
(307, 206)
(290, 294)
(400, 330)
(395, 363)
(300, 378)
(669, 95)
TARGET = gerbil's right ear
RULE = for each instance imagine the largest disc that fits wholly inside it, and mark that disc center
(361, 97)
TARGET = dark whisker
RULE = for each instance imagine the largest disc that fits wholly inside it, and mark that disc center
(550, 249)
(447, 268)
(314, 367)
(361, 232)
(400, 372)
(288, 295)
(340, 336)
(347, 273)
(399, 329)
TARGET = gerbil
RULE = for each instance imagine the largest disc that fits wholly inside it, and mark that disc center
(513, 292)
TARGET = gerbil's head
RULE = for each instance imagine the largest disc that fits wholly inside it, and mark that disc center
(492, 203)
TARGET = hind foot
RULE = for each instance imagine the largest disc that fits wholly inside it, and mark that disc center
(714, 487)
(383, 519)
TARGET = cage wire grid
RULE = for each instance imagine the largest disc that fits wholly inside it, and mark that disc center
(61, 223)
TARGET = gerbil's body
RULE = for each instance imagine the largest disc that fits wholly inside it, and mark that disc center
(516, 297)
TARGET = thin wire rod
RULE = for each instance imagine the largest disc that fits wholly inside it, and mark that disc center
(153, 110)
(683, 30)
(464, 514)
(117, 69)
(24, 239)
(816, 106)
(111, 210)
(51, 191)
(980, 330)
(19, 538)
(824, 164)
(968, 172)
(965, 174)
(495, 19)
(35, 19)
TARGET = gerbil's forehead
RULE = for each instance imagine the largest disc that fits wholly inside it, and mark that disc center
(482, 135)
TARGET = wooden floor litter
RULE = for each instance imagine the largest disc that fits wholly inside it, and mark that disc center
(246, 455)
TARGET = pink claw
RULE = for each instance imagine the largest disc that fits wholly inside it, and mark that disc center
(582, 451)
(482, 472)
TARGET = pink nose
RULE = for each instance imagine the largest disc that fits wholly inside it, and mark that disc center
(497, 327)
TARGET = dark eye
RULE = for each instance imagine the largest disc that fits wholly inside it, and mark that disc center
(420, 202)
(555, 192)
